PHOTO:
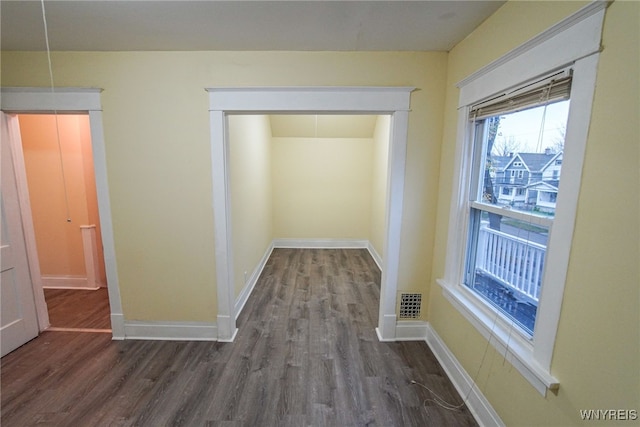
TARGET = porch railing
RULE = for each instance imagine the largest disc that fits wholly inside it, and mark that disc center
(517, 263)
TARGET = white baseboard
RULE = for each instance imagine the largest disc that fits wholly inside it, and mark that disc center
(411, 330)
(375, 255)
(170, 331)
(117, 326)
(251, 283)
(67, 282)
(330, 244)
(227, 329)
(321, 243)
(479, 406)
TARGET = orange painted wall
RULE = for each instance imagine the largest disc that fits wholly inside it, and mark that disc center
(59, 243)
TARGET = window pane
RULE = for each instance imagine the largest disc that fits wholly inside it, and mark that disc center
(522, 161)
(506, 263)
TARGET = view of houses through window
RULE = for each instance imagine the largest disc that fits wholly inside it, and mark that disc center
(516, 175)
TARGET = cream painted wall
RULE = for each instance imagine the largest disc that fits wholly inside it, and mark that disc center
(322, 187)
(379, 183)
(251, 194)
(59, 243)
(156, 128)
(596, 357)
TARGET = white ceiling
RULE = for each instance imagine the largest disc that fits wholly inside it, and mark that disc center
(241, 25)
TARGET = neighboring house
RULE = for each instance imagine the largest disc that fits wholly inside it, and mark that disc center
(527, 180)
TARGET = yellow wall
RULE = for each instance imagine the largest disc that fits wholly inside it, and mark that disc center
(251, 194)
(379, 184)
(59, 243)
(322, 187)
(596, 357)
(157, 137)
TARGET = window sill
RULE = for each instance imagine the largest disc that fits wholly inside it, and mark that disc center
(503, 335)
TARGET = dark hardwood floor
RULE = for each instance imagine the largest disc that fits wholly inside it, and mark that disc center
(306, 355)
(71, 308)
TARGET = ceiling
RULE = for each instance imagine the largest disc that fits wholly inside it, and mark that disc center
(241, 25)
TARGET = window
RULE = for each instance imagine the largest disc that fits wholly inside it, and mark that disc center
(518, 82)
(506, 248)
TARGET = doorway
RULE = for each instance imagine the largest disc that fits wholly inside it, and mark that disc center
(223, 102)
(60, 177)
(85, 102)
(313, 181)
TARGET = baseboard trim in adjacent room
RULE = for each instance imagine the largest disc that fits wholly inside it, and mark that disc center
(479, 406)
(170, 331)
(67, 282)
(251, 283)
(321, 243)
(330, 244)
(375, 255)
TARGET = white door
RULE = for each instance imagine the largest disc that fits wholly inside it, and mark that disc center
(19, 322)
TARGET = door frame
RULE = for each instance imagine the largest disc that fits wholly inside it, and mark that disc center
(392, 101)
(81, 101)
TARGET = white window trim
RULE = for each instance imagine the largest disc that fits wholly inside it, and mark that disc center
(573, 42)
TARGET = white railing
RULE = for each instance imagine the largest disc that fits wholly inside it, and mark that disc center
(516, 262)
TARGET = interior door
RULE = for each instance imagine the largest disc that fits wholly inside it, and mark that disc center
(18, 319)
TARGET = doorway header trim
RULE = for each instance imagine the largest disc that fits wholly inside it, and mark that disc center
(41, 99)
(378, 100)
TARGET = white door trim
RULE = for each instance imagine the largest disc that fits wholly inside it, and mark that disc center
(20, 172)
(78, 100)
(393, 101)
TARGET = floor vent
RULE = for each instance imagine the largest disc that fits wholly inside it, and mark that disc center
(410, 306)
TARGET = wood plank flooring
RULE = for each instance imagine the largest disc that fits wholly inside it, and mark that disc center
(76, 308)
(306, 355)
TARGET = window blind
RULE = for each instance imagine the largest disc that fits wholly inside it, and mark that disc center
(556, 87)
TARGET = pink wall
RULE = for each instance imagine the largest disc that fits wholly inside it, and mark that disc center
(60, 248)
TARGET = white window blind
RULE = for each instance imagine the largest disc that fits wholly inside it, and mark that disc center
(555, 87)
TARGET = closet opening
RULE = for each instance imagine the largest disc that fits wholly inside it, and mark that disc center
(227, 104)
